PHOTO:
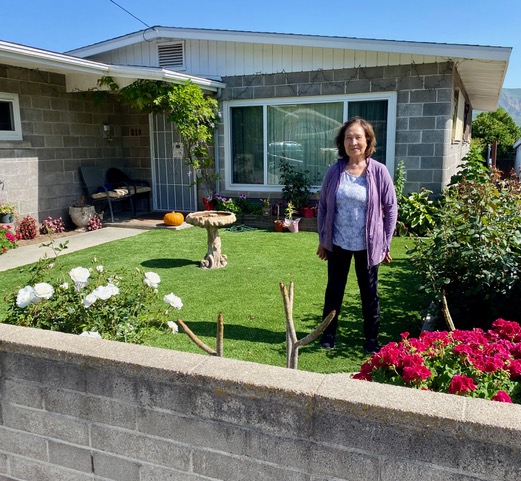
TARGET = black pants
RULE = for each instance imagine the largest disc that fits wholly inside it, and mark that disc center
(338, 263)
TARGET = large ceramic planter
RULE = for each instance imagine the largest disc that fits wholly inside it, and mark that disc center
(81, 216)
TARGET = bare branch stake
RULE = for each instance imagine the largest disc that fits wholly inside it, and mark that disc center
(292, 344)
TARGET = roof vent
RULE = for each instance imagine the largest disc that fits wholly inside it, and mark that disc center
(171, 55)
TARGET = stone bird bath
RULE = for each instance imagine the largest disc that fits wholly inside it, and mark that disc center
(212, 220)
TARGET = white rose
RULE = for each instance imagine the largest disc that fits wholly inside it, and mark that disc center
(152, 279)
(99, 268)
(24, 297)
(173, 327)
(113, 288)
(43, 290)
(80, 275)
(91, 334)
(89, 300)
(102, 292)
(173, 300)
(64, 286)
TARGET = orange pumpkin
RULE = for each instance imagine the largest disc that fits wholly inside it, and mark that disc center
(173, 218)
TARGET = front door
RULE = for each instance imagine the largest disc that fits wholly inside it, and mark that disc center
(172, 178)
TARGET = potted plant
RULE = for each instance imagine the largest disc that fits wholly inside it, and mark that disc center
(266, 207)
(81, 213)
(289, 222)
(7, 212)
(297, 185)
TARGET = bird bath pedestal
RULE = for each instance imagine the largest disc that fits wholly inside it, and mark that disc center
(212, 220)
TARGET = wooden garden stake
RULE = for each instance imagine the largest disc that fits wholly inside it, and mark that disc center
(446, 312)
(201, 344)
(292, 343)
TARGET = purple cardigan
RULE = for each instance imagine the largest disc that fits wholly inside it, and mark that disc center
(382, 209)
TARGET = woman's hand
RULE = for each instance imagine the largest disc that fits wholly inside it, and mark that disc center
(387, 258)
(322, 252)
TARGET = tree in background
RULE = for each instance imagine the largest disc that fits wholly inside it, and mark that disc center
(499, 126)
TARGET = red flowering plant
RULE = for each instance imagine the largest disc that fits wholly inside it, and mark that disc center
(7, 239)
(477, 363)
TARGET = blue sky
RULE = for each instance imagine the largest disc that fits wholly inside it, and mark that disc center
(62, 25)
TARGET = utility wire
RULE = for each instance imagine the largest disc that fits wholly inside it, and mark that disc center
(132, 15)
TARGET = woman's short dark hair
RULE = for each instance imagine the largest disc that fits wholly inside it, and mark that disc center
(369, 136)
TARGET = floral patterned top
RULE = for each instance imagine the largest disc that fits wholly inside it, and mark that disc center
(349, 230)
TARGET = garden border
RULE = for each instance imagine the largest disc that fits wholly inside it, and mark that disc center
(80, 408)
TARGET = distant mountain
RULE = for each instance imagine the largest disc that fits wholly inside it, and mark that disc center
(510, 100)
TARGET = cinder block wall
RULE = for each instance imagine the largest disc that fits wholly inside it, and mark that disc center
(424, 110)
(61, 131)
(77, 409)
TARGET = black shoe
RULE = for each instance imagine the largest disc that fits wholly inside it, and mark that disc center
(372, 347)
(327, 341)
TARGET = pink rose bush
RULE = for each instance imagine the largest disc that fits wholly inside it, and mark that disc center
(477, 363)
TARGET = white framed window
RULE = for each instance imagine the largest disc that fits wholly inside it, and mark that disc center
(459, 113)
(10, 123)
(259, 135)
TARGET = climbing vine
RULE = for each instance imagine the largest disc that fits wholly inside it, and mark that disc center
(194, 114)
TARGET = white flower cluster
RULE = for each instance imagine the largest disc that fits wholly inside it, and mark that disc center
(80, 276)
(103, 293)
(33, 295)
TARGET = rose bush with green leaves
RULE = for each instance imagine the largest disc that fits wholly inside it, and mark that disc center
(473, 252)
(119, 305)
(477, 363)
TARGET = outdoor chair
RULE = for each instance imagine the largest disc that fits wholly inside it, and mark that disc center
(138, 188)
(98, 191)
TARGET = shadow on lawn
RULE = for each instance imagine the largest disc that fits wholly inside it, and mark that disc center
(237, 332)
(168, 263)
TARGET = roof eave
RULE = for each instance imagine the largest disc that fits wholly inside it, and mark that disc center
(82, 74)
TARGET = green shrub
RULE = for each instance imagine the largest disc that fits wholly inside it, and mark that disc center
(416, 212)
(297, 185)
(473, 252)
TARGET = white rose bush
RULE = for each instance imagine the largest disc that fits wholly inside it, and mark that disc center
(120, 306)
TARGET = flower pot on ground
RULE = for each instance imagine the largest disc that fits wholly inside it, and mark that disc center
(6, 218)
(292, 224)
(308, 212)
(7, 212)
(81, 215)
(278, 225)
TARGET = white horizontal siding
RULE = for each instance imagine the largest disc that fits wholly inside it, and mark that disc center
(220, 59)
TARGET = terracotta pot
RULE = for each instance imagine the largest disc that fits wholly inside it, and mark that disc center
(278, 225)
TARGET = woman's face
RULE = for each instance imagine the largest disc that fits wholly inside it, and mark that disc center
(355, 141)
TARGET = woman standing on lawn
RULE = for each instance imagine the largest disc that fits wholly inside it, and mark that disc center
(357, 215)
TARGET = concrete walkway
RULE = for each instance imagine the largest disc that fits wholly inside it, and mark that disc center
(29, 254)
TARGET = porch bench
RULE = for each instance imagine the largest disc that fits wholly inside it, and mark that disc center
(98, 190)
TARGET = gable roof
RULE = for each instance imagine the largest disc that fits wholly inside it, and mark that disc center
(482, 68)
(82, 74)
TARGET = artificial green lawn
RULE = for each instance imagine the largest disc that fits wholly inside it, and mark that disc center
(247, 292)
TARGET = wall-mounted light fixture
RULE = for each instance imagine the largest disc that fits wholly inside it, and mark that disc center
(107, 132)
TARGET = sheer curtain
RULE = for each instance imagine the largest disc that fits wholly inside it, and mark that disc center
(303, 135)
(247, 145)
(374, 111)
